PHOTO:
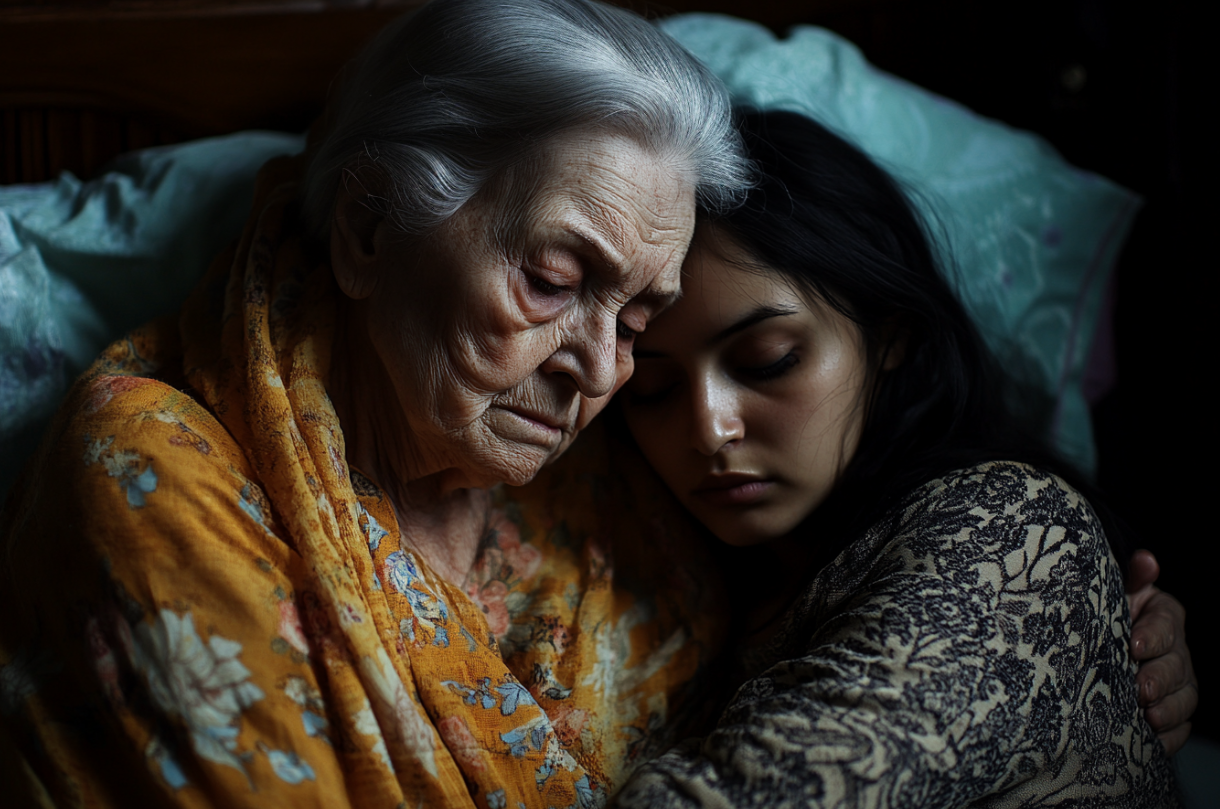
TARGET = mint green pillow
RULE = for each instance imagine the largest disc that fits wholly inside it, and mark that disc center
(1033, 240)
(83, 262)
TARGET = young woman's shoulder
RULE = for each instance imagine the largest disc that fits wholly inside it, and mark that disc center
(1000, 539)
(972, 644)
(976, 528)
(997, 519)
(995, 495)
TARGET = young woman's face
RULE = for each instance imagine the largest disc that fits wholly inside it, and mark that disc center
(747, 397)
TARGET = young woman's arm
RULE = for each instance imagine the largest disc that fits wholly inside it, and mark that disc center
(974, 646)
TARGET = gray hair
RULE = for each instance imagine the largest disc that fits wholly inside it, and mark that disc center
(448, 97)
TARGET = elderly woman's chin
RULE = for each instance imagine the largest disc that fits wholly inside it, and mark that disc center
(515, 444)
(507, 456)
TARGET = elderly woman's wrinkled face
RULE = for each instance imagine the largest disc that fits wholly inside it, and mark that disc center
(509, 328)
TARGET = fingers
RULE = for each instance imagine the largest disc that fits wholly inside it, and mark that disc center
(1175, 739)
(1168, 679)
(1142, 570)
(1168, 689)
(1159, 628)
(1138, 600)
(1174, 710)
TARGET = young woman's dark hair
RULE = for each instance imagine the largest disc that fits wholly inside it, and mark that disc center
(828, 218)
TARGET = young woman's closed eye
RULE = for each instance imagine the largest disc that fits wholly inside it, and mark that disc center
(772, 370)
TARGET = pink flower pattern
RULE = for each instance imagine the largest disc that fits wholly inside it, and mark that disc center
(105, 388)
(568, 722)
(504, 562)
(462, 744)
(290, 628)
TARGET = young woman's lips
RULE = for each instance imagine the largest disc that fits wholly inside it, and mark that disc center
(732, 489)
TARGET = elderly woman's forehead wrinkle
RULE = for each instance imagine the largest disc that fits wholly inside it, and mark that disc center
(625, 207)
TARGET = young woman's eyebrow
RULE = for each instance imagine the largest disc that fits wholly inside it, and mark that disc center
(754, 317)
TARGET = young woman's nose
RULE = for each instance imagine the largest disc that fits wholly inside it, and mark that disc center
(589, 355)
(716, 421)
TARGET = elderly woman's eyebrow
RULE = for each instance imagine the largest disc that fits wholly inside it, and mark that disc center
(607, 253)
(657, 301)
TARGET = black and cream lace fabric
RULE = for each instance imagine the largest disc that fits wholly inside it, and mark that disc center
(971, 650)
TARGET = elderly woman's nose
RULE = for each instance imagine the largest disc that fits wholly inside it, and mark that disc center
(715, 418)
(589, 355)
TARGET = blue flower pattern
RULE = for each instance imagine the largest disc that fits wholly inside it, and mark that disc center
(124, 466)
(530, 736)
(249, 503)
(402, 572)
(290, 767)
(373, 530)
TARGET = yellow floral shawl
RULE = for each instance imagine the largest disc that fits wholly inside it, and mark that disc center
(204, 606)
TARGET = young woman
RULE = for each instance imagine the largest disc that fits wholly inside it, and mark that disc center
(940, 621)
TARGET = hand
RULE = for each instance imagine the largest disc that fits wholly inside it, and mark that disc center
(1168, 689)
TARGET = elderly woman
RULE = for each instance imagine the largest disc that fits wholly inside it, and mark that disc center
(260, 561)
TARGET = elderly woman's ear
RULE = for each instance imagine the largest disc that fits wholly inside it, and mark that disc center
(354, 238)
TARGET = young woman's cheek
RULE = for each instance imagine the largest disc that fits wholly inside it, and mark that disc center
(624, 370)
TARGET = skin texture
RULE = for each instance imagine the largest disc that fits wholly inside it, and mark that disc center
(747, 397)
(473, 356)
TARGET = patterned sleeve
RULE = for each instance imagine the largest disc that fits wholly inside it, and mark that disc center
(981, 652)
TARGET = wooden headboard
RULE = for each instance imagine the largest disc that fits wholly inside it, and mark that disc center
(82, 81)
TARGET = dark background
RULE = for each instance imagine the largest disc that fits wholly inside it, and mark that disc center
(1123, 89)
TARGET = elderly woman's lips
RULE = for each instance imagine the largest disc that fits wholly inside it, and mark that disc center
(529, 426)
(732, 489)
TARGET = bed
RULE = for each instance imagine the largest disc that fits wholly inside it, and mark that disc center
(83, 81)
